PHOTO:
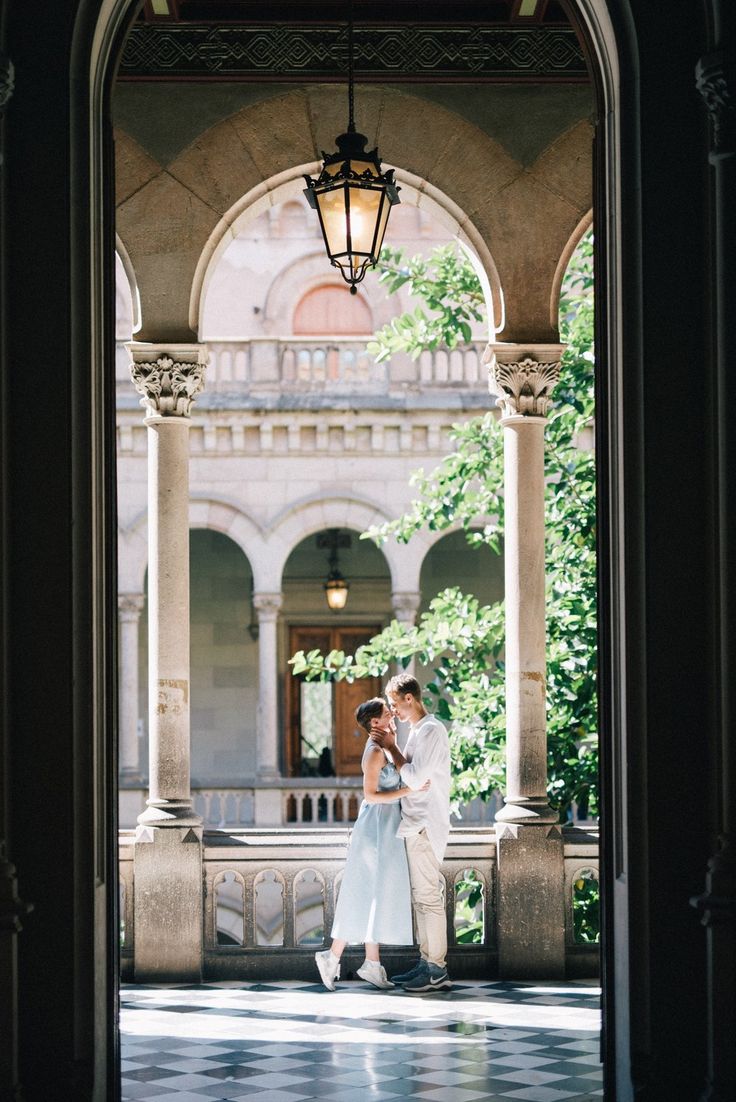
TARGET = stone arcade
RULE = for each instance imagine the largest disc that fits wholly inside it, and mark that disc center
(664, 161)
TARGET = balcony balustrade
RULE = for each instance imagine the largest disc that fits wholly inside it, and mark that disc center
(269, 897)
(305, 801)
(331, 363)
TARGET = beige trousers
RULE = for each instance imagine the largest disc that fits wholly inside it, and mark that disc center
(426, 896)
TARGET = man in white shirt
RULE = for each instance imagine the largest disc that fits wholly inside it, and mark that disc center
(425, 826)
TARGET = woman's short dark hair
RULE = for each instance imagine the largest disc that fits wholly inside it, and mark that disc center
(368, 710)
(403, 684)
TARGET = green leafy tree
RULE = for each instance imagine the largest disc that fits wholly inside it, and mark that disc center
(458, 637)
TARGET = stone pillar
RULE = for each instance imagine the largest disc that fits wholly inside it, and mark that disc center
(405, 606)
(130, 606)
(168, 849)
(531, 904)
(268, 798)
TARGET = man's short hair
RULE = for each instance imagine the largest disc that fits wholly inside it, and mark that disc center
(368, 710)
(404, 684)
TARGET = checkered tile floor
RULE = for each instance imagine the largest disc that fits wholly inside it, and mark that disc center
(285, 1042)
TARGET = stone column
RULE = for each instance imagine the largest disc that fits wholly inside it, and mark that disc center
(168, 849)
(268, 798)
(405, 606)
(531, 911)
(130, 606)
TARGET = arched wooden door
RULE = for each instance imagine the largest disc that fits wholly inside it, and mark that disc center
(322, 737)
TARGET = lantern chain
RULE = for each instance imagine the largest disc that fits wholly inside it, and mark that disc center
(351, 97)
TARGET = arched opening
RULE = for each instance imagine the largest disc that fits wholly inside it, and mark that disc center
(224, 683)
(259, 282)
(628, 498)
(309, 747)
(320, 737)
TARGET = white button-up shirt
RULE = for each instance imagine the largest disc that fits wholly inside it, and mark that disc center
(427, 754)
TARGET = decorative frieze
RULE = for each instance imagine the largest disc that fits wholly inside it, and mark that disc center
(168, 385)
(252, 52)
(306, 436)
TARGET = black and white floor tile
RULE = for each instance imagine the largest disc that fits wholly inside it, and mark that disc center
(287, 1042)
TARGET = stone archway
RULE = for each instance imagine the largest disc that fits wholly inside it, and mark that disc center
(97, 37)
(516, 313)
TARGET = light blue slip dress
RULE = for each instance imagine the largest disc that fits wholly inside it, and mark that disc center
(375, 901)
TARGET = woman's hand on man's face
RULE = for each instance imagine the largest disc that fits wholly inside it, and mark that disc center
(383, 733)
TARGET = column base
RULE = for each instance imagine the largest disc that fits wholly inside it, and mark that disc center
(168, 904)
(530, 810)
(531, 901)
(173, 813)
(268, 773)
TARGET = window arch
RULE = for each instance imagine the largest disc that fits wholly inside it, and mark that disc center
(330, 308)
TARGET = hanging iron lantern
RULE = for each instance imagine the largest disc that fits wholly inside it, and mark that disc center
(352, 197)
(336, 587)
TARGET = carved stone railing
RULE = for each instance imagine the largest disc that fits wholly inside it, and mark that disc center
(269, 901)
(312, 365)
(305, 802)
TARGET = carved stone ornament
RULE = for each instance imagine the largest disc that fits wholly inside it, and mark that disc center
(715, 81)
(247, 52)
(168, 387)
(130, 606)
(405, 605)
(524, 387)
(7, 80)
(267, 605)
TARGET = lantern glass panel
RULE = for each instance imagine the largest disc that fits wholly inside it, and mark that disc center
(334, 219)
(381, 227)
(364, 211)
(336, 592)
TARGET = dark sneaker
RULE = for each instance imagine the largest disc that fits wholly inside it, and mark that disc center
(404, 977)
(431, 978)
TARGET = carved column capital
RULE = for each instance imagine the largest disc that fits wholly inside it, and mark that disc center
(268, 606)
(130, 606)
(522, 377)
(405, 605)
(715, 79)
(168, 377)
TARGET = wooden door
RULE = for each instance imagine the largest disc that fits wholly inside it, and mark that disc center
(337, 702)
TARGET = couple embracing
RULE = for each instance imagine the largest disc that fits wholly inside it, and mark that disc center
(397, 845)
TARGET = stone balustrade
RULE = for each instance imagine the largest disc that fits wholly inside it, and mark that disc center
(329, 363)
(270, 895)
(304, 802)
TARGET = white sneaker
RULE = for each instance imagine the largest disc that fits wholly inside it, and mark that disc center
(373, 972)
(329, 968)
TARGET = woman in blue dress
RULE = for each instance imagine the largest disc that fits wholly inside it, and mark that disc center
(374, 905)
